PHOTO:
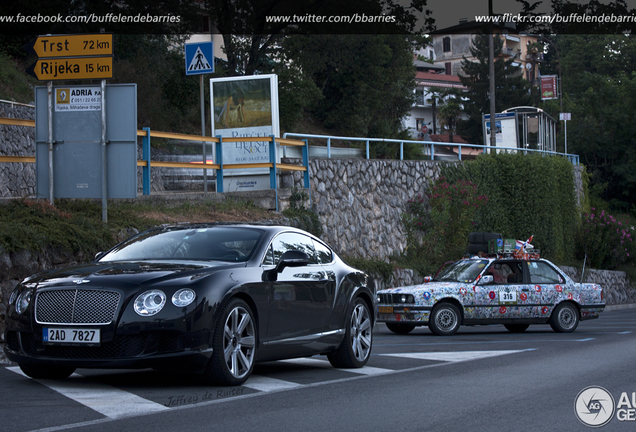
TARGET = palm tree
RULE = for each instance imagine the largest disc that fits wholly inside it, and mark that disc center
(450, 110)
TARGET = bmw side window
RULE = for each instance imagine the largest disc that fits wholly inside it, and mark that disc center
(541, 272)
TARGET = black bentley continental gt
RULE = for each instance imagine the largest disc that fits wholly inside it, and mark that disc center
(213, 299)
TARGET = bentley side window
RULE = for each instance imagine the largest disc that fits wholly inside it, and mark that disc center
(323, 253)
(293, 241)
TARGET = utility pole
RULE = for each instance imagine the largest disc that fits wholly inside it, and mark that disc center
(491, 71)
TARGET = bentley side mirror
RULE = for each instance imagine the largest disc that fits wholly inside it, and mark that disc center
(290, 258)
(98, 255)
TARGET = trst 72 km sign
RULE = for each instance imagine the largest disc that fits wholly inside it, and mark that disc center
(72, 45)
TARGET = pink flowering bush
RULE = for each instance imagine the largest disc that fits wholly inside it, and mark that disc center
(607, 241)
(438, 224)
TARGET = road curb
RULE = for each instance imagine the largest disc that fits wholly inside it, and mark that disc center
(609, 308)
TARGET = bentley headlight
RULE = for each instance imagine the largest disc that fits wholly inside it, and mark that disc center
(183, 297)
(150, 302)
(23, 300)
(14, 295)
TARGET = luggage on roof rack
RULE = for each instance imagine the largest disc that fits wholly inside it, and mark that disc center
(478, 241)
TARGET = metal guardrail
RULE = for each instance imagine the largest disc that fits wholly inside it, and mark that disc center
(573, 158)
(146, 163)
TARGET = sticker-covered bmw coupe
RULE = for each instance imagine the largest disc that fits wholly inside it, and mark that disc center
(209, 299)
(491, 290)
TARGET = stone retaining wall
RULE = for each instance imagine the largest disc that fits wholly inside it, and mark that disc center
(360, 202)
(17, 179)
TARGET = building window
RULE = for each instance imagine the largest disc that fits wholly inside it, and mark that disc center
(447, 44)
(447, 65)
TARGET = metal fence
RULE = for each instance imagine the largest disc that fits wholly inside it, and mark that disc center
(429, 147)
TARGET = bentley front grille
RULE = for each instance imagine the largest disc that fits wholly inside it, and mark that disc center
(76, 306)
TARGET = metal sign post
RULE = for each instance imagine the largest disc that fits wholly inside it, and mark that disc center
(199, 60)
(104, 161)
(49, 91)
(565, 117)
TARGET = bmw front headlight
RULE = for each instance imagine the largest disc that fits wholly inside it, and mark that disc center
(183, 297)
(150, 302)
(23, 300)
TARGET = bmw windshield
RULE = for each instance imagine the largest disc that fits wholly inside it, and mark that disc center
(462, 271)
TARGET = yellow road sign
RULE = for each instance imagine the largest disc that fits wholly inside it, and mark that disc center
(72, 68)
(100, 44)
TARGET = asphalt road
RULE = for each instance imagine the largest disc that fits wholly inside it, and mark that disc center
(481, 379)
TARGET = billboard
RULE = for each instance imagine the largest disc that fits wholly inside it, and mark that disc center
(549, 87)
(245, 107)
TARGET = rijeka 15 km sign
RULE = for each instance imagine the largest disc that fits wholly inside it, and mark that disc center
(72, 57)
(72, 68)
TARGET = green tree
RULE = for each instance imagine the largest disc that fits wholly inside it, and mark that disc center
(451, 110)
(510, 88)
(601, 95)
(251, 28)
(366, 81)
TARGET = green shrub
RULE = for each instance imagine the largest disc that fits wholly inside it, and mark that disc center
(437, 225)
(606, 241)
(527, 195)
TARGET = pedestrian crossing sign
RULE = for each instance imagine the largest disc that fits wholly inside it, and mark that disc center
(199, 58)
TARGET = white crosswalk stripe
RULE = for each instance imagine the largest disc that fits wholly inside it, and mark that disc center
(458, 356)
(266, 384)
(109, 401)
(367, 370)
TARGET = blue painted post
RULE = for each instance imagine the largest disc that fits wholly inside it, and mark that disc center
(146, 156)
(460, 151)
(272, 160)
(219, 157)
(432, 151)
(306, 163)
(367, 149)
(272, 170)
(402, 150)
(329, 147)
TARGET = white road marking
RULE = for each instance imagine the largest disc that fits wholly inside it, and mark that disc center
(115, 403)
(457, 356)
(107, 400)
(266, 384)
(366, 370)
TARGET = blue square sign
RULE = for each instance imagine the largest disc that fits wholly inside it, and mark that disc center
(199, 58)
